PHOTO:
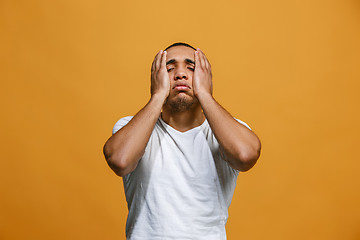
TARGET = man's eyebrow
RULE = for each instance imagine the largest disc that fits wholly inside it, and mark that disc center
(188, 60)
(170, 61)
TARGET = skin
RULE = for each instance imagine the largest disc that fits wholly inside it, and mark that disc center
(181, 93)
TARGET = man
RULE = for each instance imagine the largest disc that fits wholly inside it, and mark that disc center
(180, 155)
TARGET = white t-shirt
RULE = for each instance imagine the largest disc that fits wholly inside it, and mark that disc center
(181, 187)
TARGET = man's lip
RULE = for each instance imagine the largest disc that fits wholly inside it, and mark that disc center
(181, 87)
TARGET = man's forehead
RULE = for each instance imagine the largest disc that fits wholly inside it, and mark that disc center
(180, 53)
(173, 60)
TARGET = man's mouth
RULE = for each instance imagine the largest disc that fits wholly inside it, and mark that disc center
(181, 87)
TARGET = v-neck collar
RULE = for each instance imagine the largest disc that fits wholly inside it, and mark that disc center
(168, 127)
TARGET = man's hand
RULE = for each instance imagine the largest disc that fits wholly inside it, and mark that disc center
(240, 145)
(125, 148)
(202, 82)
(160, 82)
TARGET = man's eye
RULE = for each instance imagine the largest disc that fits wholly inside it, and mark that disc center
(170, 69)
(192, 69)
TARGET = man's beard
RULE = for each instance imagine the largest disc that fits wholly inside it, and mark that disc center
(181, 103)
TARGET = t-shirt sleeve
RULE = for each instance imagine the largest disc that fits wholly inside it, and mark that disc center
(122, 122)
(243, 123)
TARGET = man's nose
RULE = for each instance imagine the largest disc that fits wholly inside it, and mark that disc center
(180, 74)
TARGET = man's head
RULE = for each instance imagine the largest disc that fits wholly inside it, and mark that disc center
(180, 44)
(180, 64)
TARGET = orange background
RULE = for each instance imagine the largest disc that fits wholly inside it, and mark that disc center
(71, 69)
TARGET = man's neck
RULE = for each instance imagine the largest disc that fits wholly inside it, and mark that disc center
(184, 121)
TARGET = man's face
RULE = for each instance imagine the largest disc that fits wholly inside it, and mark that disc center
(180, 65)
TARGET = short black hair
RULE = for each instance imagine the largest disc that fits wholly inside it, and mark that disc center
(180, 44)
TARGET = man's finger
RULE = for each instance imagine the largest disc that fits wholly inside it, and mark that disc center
(203, 59)
(158, 59)
(154, 62)
(197, 60)
(163, 60)
(153, 66)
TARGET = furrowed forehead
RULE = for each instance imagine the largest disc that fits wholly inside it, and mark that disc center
(173, 60)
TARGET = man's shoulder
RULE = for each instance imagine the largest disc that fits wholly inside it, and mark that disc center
(120, 123)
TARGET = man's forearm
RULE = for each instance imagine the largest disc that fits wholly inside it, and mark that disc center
(241, 146)
(124, 149)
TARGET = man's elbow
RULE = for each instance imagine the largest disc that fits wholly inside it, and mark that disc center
(248, 158)
(117, 162)
(119, 165)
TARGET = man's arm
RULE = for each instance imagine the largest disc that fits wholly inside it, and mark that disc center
(124, 149)
(240, 145)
